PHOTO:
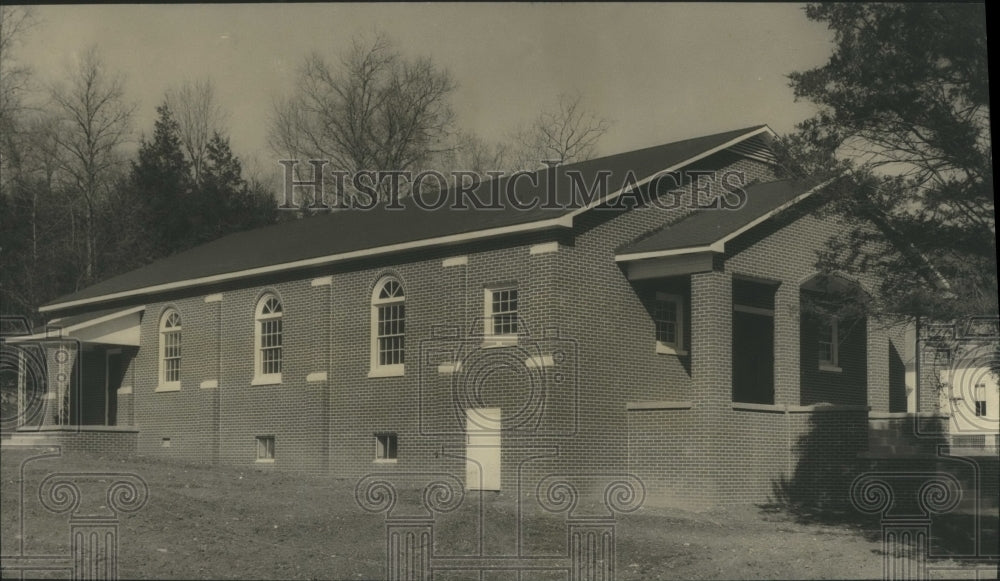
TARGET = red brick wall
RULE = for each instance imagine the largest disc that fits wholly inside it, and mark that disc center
(111, 443)
(759, 454)
(765, 456)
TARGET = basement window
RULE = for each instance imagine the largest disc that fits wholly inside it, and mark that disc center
(265, 448)
(385, 447)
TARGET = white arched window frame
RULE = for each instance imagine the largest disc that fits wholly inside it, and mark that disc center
(170, 351)
(388, 328)
(268, 340)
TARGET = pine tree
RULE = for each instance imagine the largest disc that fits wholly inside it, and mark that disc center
(163, 188)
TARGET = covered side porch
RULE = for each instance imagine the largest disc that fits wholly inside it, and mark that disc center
(75, 376)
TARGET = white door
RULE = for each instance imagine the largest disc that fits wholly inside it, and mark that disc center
(482, 464)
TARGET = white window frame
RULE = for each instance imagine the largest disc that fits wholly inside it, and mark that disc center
(168, 316)
(261, 378)
(378, 369)
(491, 339)
(677, 346)
(267, 444)
(382, 450)
(979, 397)
(832, 364)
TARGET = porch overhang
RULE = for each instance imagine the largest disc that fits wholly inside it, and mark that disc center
(677, 264)
(120, 327)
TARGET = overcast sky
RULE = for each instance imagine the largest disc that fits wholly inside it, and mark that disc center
(661, 72)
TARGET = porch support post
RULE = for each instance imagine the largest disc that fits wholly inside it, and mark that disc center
(21, 383)
(878, 364)
(712, 339)
(50, 406)
(62, 373)
(711, 378)
(787, 355)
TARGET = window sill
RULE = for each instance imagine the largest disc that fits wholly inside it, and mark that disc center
(665, 349)
(829, 367)
(387, 371)
(165, 387)
(759, 407)
(384, 461)
(273, 379)
(264, 461)
(493, 341)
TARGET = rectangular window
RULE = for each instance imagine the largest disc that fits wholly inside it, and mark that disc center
(980, 396)
(668, 316)
(391, 333)
(270, 346)
(385, 447)
(502, 310)
(265, 448)
(172, 356)
(827, 343)
(500, 318)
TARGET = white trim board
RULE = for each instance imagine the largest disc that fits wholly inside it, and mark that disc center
(127, 336)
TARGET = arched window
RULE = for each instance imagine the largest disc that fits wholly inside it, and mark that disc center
(267, 364)
(388, 328)
(170, 350)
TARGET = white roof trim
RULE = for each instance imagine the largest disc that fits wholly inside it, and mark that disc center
(67, 331)
(720, 244)
(661, 253)
(104, 319)
(565, 221)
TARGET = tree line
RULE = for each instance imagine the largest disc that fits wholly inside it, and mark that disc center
(80, 204)
(902, 129)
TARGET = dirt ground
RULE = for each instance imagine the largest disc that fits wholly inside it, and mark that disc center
(231, 523)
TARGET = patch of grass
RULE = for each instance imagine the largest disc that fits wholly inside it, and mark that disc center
(240, 523)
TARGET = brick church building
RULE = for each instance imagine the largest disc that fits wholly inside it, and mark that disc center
(655, 328)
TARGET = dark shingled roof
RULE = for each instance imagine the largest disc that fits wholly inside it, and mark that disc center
(703, 227)
(354, 230)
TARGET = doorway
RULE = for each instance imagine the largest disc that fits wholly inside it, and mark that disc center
(753, 356)
(482, 464)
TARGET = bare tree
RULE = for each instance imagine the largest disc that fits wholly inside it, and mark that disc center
(377, 111)
(37, 224)
(566, 133)
(15, 21)
(95, 121)
(198, 116)
(472, 153)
